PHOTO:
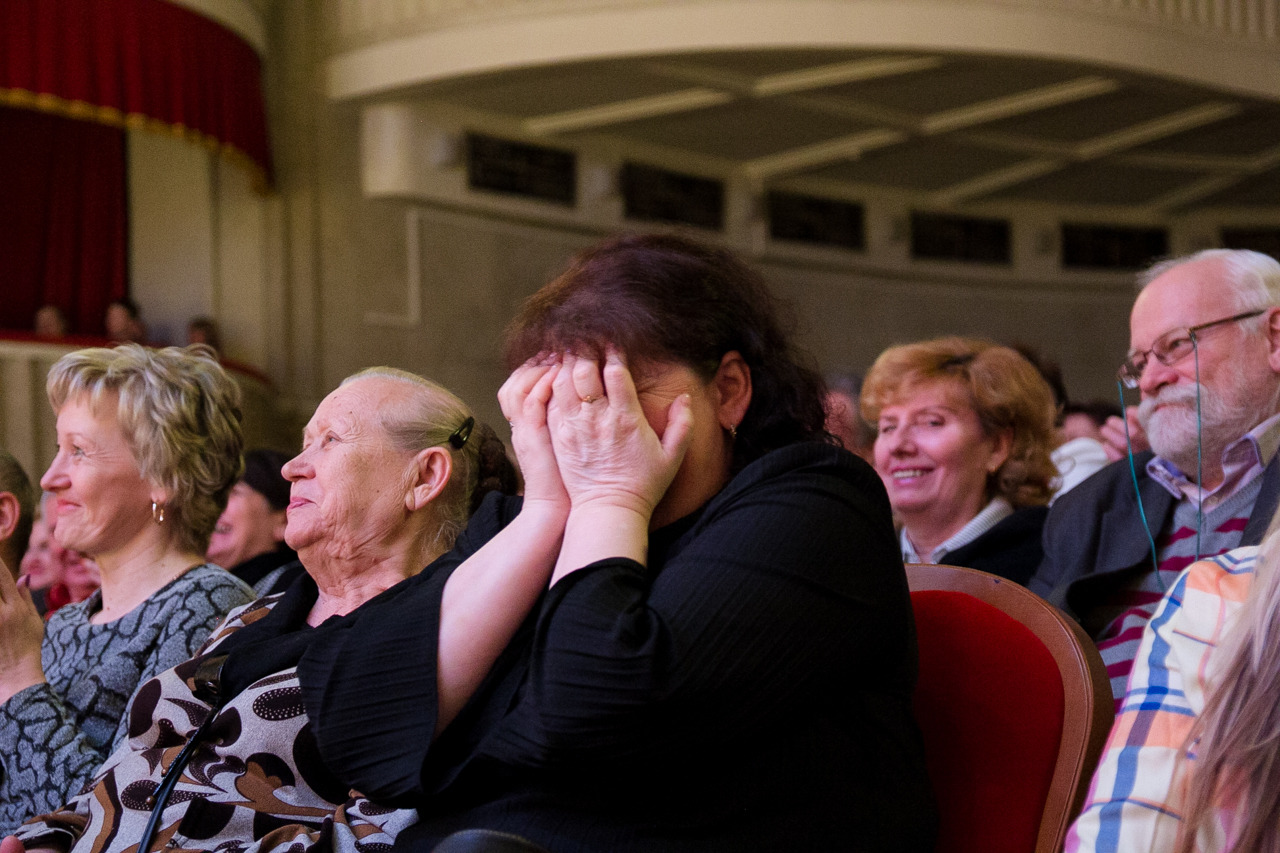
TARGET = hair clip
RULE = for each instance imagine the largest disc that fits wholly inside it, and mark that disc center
(460, 435)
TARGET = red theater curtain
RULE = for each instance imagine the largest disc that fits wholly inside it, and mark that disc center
(63, 218)
(136, 63)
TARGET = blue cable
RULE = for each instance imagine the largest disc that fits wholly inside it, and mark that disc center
(1133, 473)
(1195, 353)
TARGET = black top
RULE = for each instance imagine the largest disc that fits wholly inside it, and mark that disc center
(749, 690)
(1012, 549)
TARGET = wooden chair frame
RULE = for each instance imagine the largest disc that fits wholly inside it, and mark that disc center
(1089, 708)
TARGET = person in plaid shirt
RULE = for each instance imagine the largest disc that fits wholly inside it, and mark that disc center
(1182, 770)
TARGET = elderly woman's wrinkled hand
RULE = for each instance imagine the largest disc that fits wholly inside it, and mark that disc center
(607, 452)
(21, 633)
(524, 398)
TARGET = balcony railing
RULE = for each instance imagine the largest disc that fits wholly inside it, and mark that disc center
(353, 24)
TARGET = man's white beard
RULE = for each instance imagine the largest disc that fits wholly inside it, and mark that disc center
(1172, 430)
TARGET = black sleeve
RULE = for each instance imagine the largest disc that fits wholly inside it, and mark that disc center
(790, 585)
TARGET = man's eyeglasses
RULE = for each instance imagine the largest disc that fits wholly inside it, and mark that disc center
(1172, 347)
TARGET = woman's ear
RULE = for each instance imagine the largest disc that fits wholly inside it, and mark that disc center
(1002, 446)
(432, 469)
(9, 512)
(733, 389)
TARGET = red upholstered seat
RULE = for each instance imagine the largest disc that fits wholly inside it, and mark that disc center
(1014, 707)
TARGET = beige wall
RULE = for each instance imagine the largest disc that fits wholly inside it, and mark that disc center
(319, 279)
(473, 268)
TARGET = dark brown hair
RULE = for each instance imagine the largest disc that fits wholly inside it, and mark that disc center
(666, 298)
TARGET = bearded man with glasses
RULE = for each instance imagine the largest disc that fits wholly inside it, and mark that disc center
(1205, 356)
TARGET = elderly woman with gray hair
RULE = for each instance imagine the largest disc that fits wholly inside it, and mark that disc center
(149, 443)
(220, 751)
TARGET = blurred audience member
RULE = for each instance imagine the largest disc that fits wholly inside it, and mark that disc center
(1087, 419)
(1078, 452)
(80, 578)
(40, 565)
(50, 322)
(124, 322)
(204, 330)
(844, 419)
(965, 431)
(55, 575)
(17, 511)
(248, 539)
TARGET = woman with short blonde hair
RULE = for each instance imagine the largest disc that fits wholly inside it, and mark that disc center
(149, 445)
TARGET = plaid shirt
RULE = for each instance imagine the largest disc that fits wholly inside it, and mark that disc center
(1134, 804)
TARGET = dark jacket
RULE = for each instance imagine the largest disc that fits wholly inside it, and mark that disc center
(1093, 539)
(1012, 549)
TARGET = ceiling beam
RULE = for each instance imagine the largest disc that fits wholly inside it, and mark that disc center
(1149, 131)
(1194, 191)
(798, 80)
(809, 156)
(835, 74)
(992, 181)
(1017, 104)
(628, 110)
(1204, 162)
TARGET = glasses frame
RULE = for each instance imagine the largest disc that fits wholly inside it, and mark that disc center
(1130, 372)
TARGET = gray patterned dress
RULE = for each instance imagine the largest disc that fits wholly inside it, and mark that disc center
(53, 736)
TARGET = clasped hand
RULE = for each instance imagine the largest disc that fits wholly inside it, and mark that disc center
(607, 453)
(582, 437)
(21, 634)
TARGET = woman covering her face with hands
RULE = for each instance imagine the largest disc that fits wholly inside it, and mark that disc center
(694, 631)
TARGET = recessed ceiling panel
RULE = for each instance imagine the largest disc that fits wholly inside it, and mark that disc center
(743, 130)
(1100, 183)
(1254, 191)
(1252, 133)
(938, 125)
(921, 165)
(957, 82)
(1092, 118)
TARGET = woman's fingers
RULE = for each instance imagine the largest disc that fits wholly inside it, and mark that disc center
(521, 382)
(675, 438)
(618, 382)
(587, 381)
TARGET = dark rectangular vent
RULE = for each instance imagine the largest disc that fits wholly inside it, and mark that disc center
(806, 219)
(942, 237)
(1265, 240)
(1111, 247)
(521, 169)
(658, 195)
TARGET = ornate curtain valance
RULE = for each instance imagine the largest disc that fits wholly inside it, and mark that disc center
(138, 64)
